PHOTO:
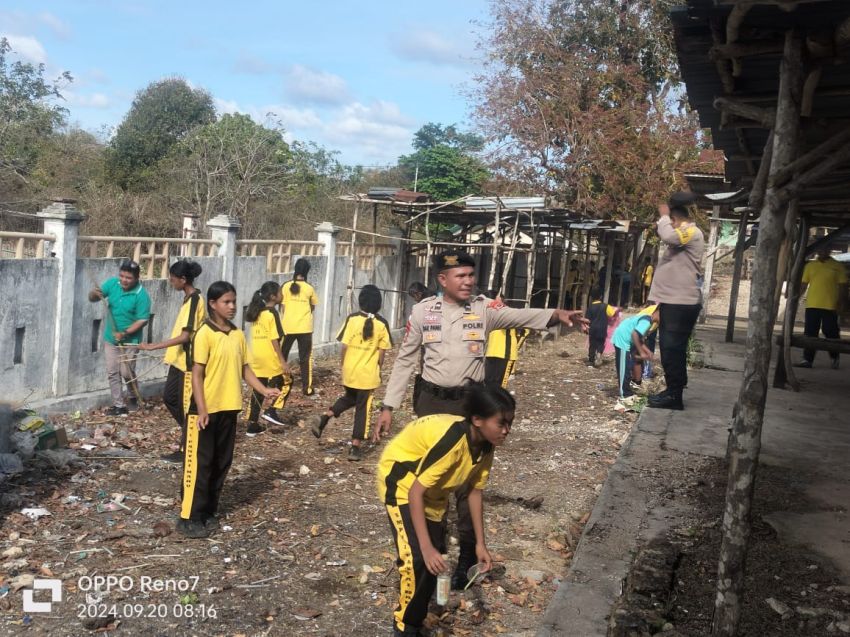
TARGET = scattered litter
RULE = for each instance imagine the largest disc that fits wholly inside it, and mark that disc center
(58, 458)
(304, 470)
(336, 563)
(313, 576)
(11, 463)
(88, 447)
(306, 614)
(227, 527)
(31, 422)
(35, 513)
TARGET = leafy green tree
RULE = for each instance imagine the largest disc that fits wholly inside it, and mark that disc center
(161, 115)
(29, 114)
(444, 165)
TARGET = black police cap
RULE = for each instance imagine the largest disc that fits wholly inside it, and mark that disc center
(453, 259)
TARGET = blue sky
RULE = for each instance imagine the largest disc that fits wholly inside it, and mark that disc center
(357, 77)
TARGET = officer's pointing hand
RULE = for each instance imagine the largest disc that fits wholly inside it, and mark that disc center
(384, 424)
(569, 317)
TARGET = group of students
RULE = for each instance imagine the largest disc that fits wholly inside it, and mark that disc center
(633, 340)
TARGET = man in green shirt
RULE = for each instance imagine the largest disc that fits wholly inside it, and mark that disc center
(127, 313)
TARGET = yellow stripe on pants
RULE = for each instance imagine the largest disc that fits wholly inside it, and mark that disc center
(309, 371)
(190, 465)
(187, 392)
(407, 578)
(280, 401)
(509, 368)
(368, 425)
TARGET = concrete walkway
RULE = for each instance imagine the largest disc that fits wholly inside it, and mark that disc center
(807, 433)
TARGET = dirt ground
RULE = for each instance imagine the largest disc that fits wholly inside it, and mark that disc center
(305, 547)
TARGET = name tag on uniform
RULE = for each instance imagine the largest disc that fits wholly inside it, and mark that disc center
(473, 325)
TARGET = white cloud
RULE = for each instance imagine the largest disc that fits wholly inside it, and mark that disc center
(93, 100)
(27, 48)
(22, 22)
(423, 45)
(306, 85)
(372, 133)
(61, 29)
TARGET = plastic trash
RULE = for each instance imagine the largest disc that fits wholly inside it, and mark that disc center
(474, 574)
(24, 443)
(35, 513)
(10, 463)
(31, 422)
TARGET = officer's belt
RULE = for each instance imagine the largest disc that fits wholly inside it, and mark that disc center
(443, 393)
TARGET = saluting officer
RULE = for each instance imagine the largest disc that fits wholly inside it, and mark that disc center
(452, 332)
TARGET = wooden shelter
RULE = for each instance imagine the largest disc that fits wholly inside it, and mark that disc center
(523, 248)
(771, 80)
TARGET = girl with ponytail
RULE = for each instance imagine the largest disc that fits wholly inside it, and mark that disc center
(178, 384)
(299, 303)
(266, 358)
(365, 338)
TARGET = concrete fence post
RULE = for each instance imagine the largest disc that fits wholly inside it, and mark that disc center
(327, 233)
(190, 231)
(62, 220)
(224, 229)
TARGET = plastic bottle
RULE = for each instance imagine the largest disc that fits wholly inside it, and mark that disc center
(444, 584)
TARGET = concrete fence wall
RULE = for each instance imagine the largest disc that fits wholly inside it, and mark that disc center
(51, 336)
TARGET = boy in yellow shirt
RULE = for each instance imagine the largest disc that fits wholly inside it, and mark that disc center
(824, 277)
(365, 338)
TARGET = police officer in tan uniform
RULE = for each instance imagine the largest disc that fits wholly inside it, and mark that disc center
(452, 332)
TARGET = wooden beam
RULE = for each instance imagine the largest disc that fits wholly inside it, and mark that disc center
(758, 114)
(740, 248)
(804, 162)
(609, 266)
(760, 183)
(744, 49)
(784, 370)
(748, 414)
(813, 174)
(812, 80)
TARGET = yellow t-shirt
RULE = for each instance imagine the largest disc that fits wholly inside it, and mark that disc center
(298, 310)
(824, 279)
(506, 343)
(647, 275)
(224, 354)
(190, 317)
(435, 451)
(265, 362)
(360, 368)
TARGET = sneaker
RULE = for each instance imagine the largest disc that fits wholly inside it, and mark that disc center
(175, 456)
(834, 363)
(194, 529)
(309, 392)
(254, 429)
(319, 425)
(117, 411)
(636, 387)
(628, 401)
(211, 523)
(355, 454)
(273, 417)
(804, 364)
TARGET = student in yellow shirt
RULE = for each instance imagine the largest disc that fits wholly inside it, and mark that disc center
(823, 277)
(266, 356)
(299, 303)
(365, 338)
(421, 466)
(178, 384)
(502, 354)
(220, 363)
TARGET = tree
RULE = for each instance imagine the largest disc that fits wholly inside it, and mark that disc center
(161, 115)
(444, 165)
(576, 101)
(225, 166)
(28, 113)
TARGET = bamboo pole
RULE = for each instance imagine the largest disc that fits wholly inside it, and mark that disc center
(494, 260)
(585, 282)
(708, 268)
(792, 302)
(507, 270)
(745, 437)
(609, 265)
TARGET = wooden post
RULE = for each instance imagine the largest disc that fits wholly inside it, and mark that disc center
(708, 268)
(745, 437)
(531, 263)
(509, 260)
(353, 260)
(566, 256)
(624, 255)
(585, 283)
(784, 369)
(374, 239)
(636, 289)
(551, 249)
(609, 265)
(736, 276)
(496, 238)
